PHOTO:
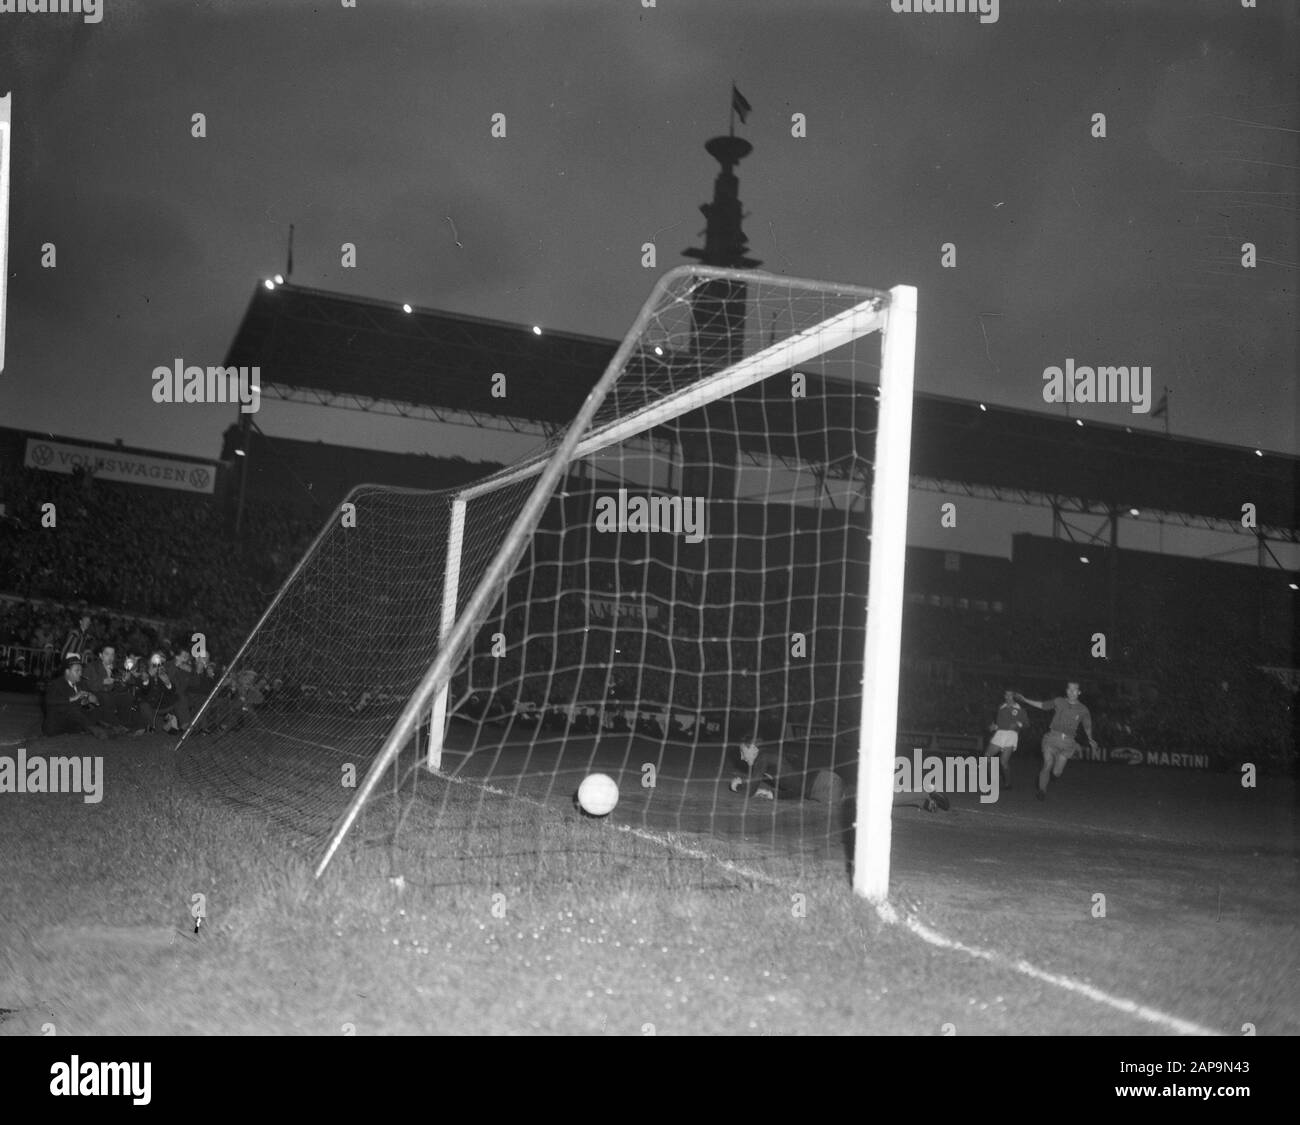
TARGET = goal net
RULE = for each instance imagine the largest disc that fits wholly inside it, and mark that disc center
(709, 558)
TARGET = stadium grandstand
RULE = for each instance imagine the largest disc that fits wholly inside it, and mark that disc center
(1198, 651)
(973, 623)
(146, 549)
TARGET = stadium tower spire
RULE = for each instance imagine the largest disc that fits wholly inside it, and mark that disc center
(724, 242)
(718, 307)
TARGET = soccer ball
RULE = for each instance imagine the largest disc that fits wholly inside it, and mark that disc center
(598, 794)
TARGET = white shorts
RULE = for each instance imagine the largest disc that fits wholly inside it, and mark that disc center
(1005, 739)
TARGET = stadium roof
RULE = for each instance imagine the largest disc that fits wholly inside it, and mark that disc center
(322, 347)
(288, 469)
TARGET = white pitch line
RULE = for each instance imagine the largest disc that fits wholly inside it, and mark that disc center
(662, 839)
(1069, 984)
(888, 914)
(668, 841)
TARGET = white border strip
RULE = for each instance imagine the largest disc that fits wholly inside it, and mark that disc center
(6, 131)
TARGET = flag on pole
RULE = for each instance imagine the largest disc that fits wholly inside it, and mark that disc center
(739, 106)
(1161, 410)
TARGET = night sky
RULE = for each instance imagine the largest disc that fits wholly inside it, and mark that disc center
(372, 126)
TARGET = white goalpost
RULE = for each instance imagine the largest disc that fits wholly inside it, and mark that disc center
(885, 598)
(600, 426)
(450, 590)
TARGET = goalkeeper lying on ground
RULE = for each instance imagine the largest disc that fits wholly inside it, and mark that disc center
(771, 774)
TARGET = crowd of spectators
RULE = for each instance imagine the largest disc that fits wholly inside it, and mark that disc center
(36, 634)
(1162, 690)
(152, 566)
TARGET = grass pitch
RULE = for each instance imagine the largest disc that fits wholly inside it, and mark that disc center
(539, 920)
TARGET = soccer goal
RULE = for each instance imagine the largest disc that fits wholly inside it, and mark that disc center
(709, 555)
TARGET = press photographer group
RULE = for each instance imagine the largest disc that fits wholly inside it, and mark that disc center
(99, 698)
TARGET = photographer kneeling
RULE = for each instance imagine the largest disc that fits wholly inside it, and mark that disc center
(113, 689)
(68, 705)
(160, 697)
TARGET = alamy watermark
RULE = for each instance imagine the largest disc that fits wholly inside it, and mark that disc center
(677, 515)
(1098, 384)
(41, 774)
(76, 1078)
(987, 9)
(90, 11)
(958, 773)
(179, 383)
